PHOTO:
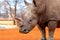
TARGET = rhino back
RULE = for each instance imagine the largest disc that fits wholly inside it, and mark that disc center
(53, 9)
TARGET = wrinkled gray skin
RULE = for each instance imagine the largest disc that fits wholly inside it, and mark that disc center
(41, 12)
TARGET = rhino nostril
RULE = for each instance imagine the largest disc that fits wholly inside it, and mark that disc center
(24, 29)
(21, 26)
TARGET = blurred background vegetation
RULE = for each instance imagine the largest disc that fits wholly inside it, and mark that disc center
(11, 8)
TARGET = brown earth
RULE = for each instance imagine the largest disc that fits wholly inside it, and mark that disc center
(13, 34)
(35, 34)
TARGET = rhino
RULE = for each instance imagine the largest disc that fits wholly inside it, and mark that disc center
(44, 13)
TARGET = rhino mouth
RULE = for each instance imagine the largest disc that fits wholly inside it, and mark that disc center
(24, 32)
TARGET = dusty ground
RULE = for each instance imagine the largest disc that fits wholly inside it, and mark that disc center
(13, 34)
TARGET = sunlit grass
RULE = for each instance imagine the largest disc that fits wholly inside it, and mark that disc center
(7, 24)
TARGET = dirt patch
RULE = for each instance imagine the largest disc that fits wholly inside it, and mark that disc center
(13, 34)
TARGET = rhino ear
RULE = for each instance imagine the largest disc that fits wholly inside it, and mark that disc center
(26, 3)
(34, 3)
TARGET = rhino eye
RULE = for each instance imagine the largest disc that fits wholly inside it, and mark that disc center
(30, 20)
